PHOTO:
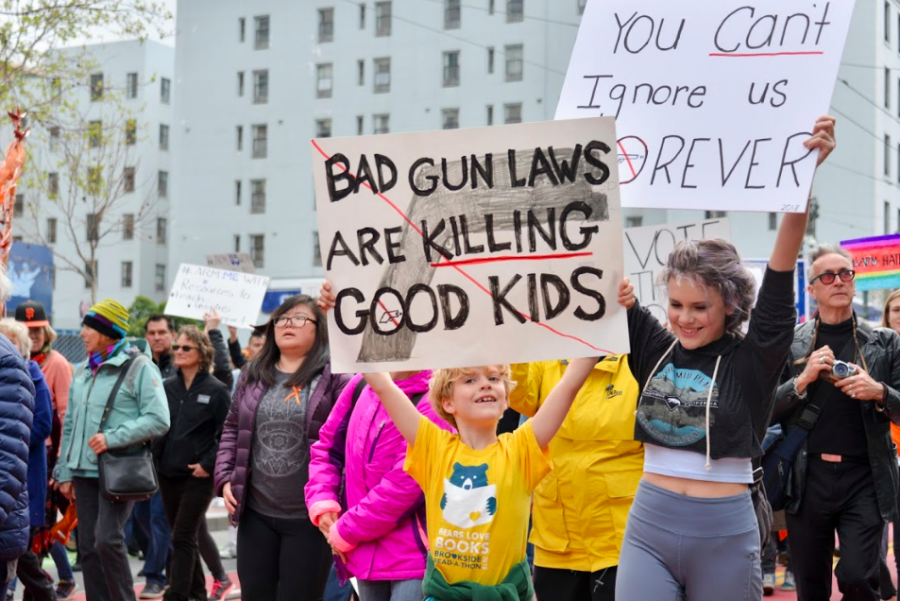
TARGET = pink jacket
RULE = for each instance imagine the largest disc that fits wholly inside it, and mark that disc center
(382, 530)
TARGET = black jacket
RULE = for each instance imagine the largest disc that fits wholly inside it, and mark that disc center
(881, 349)
(197, 416)
(221, 365)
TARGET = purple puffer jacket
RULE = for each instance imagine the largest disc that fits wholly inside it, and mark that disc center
(383, 531)
(233, 459)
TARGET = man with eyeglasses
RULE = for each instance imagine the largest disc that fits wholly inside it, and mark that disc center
(845, 476)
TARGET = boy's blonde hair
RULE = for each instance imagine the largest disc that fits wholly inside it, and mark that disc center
(441, 387)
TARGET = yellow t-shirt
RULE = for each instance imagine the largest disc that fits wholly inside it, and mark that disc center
(477, 502)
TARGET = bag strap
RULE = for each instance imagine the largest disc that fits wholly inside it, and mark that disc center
(115, 391)
(357, 392)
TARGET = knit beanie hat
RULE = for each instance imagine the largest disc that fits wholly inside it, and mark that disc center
(109, 318)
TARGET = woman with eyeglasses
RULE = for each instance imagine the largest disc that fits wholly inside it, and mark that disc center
(186, 456)
(282, 400)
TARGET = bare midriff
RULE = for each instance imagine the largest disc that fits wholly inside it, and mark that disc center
(696, 488)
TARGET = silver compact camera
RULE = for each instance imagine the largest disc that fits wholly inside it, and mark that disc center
(841, 370)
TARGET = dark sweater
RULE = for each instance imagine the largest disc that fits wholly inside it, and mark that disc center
(672, 410)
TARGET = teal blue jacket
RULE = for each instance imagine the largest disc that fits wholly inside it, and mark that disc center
(139, 413)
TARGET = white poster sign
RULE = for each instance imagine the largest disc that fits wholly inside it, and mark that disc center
(236, 296)
(648, 248)
(232, 262)
(471, 247)
(713, 99)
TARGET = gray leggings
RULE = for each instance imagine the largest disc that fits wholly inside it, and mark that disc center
(679, 548)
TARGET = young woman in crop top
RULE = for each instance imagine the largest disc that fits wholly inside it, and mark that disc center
(706, 398)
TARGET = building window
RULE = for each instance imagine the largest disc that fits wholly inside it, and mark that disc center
(165, 90)
(91, 272)
(326, 25)
(54, 139)
(55, 90)
(898, 164)
(773, 222)
(51, 230)
(237, 192)
(514, 62)
(96, 87)
(257, 196)
(634, 221)
(130, 132)
(381, 124)
(360, 72)
(317, 251)
(581, 5)
(324, 80)
(451, 69)
(887, 153)
(160, 280)
(258, 250)
(19, 205)
(239, 131)
(382, 75)
(450, 118)
(95, 129)
(490, 7)
(127, 267)
(93, 227)
(887, 88)
(515, 11)
(362, 15)
(360, 121)
(128, 226)
(128, 179)
(94, 179)
(53, 184)
(452, 15)
(512, 113)
(490, 114)
(163, 136)
(237, 243)
(131, 86)
(715, 214)
(261, 27)
(382, 19)
(260, 141)
(242, 29)
(490, 52)
(162, 184)
(261, 86)
(887, 21)
(161, 230)
(323, 128)
(887, 217)
(240, 83)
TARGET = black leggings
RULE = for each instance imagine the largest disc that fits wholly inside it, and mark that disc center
(281, 559)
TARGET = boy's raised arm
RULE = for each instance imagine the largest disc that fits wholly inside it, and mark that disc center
(403, 413)
(552, 413)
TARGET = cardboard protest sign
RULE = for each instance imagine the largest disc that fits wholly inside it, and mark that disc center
(648, 248)
(236, 296)
(471, 247)
(232, 262)
(876, 261)
(712, 99)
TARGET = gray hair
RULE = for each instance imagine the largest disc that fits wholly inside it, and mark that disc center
(17, 332)
(827, 249)
(717, 265)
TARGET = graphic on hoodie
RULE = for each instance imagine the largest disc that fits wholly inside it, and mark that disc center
(468, 499)
(672, 408)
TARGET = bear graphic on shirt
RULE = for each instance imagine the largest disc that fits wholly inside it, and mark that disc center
(469, 500)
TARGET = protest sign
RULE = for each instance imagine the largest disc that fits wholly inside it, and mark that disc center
(876, 261)
(471, 247)
(198, 289)
(712, 100)
(648, 248)
(232, 262)
(801, 295)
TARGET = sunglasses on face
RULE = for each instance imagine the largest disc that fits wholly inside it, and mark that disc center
(828, 277)
(184, 347)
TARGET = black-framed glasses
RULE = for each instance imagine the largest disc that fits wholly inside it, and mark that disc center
(828, 277)
(292, 322)
(184, 347)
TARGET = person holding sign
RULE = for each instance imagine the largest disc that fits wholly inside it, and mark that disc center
(706, 398)
(282, 399)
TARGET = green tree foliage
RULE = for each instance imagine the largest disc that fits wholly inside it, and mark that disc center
(143, 307)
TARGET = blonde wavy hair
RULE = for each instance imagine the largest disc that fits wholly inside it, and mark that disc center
(441, 387)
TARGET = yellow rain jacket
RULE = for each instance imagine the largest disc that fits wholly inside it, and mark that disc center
(581, 507)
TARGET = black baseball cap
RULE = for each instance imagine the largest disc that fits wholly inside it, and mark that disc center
(32, 314)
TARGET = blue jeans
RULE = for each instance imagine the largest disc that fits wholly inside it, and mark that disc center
(333, 589)
(390, 590)
(150, 516)
(61, 559)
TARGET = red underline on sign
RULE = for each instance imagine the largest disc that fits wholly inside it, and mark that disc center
(478, 284)
(627, 159)
(754, 54)
(513, 258)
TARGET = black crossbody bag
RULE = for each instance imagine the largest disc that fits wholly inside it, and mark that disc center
(126, 474)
